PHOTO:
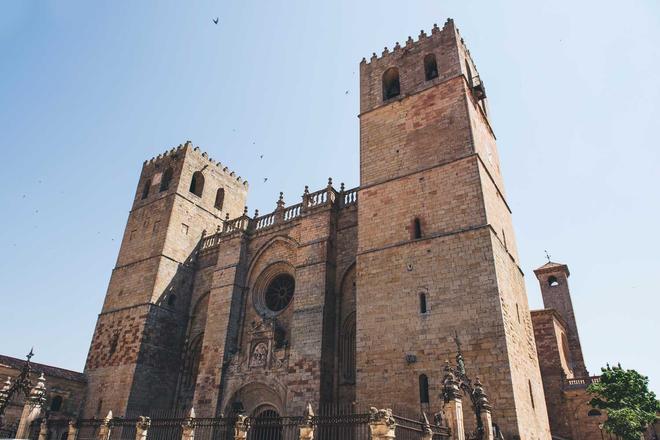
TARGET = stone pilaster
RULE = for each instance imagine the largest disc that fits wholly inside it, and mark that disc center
(142, 427)
(381, 424)
(241, 428)
(453, 406)
(188, 428)
(73, 430)
(104, 429)
(307, 427)
(32, 407)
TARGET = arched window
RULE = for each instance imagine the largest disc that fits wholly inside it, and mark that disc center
(347, 350)
(56, 403)
(430, 67)
(423, 388)
(166, 179)
(531, 393)
(422, 303)
(219, 198)
(191, 362)
(197, 183)
(171, 300)
(553, 282)
(593, 413)
(417, 228)
(468, 72)
(391, 86)
(145, 189)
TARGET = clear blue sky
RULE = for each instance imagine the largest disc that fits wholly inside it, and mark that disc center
(88, 90)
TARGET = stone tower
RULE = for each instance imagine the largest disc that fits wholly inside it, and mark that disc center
(133, 361)
(436, 249)
(553, 279)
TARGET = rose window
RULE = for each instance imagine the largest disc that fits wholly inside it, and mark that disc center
(279, 293)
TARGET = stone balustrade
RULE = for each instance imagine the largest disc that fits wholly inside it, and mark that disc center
(325, 198)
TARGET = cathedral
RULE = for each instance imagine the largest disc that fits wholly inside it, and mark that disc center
(342, 295)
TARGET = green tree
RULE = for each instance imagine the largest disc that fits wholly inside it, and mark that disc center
(625, 396)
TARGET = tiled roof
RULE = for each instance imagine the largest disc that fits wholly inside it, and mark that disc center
(48, 370)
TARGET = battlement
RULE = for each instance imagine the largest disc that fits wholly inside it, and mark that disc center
(188, 147)
(422, 39)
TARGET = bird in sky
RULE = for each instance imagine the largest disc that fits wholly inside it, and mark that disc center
(261, 156)
(216, 20)
(265, 179)
(346, 92)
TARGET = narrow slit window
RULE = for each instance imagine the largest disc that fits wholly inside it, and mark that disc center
(468, 73)
(145, 189)
(417, 228)
(391, 85)
(422, 303)
(220, 198)
(423, 388)
(531, 393)
(430, 67)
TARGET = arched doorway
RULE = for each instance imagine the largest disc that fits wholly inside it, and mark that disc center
(266, 425)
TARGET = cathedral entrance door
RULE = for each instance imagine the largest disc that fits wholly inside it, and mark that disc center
(266, 425)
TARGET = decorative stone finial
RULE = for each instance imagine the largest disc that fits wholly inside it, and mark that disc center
(329, 181)
(38, 393)
(245, 211)
(480, 396)
(108, 418)
(306, 190)
(341, 187)
(256, 213)
(226, 217)
(280, 201)
(4, 392)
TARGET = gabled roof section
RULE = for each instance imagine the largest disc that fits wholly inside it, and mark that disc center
(48, 370)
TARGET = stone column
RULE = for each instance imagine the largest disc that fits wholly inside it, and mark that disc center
(43, 429)
(104, 429)
(453, 406)
(307, 427)
(32, 407)
(73, 430)
(381, 424)
(142, 427)
(241, 427)
(188, 428)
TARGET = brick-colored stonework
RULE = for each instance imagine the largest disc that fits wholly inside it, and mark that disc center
(344, 296)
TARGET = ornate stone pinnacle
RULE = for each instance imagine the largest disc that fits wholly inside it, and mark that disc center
(227, 217)
(329, 181)
(280, 201)
(306, 190)
(256, 213)
(108, 418)
(341, 187)
(245, 211)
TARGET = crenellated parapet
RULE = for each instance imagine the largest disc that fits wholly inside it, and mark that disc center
(423, 39)
(179, 150)
(326, 198)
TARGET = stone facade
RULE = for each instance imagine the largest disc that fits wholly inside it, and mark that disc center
(201, 310)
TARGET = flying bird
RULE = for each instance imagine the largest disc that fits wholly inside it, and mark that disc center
(261, 156)
(216, 19)
(346, 92)
(265, 179)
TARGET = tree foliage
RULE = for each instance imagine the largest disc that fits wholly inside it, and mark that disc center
(625, 395)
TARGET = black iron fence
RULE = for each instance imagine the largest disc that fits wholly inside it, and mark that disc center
(329, 424)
